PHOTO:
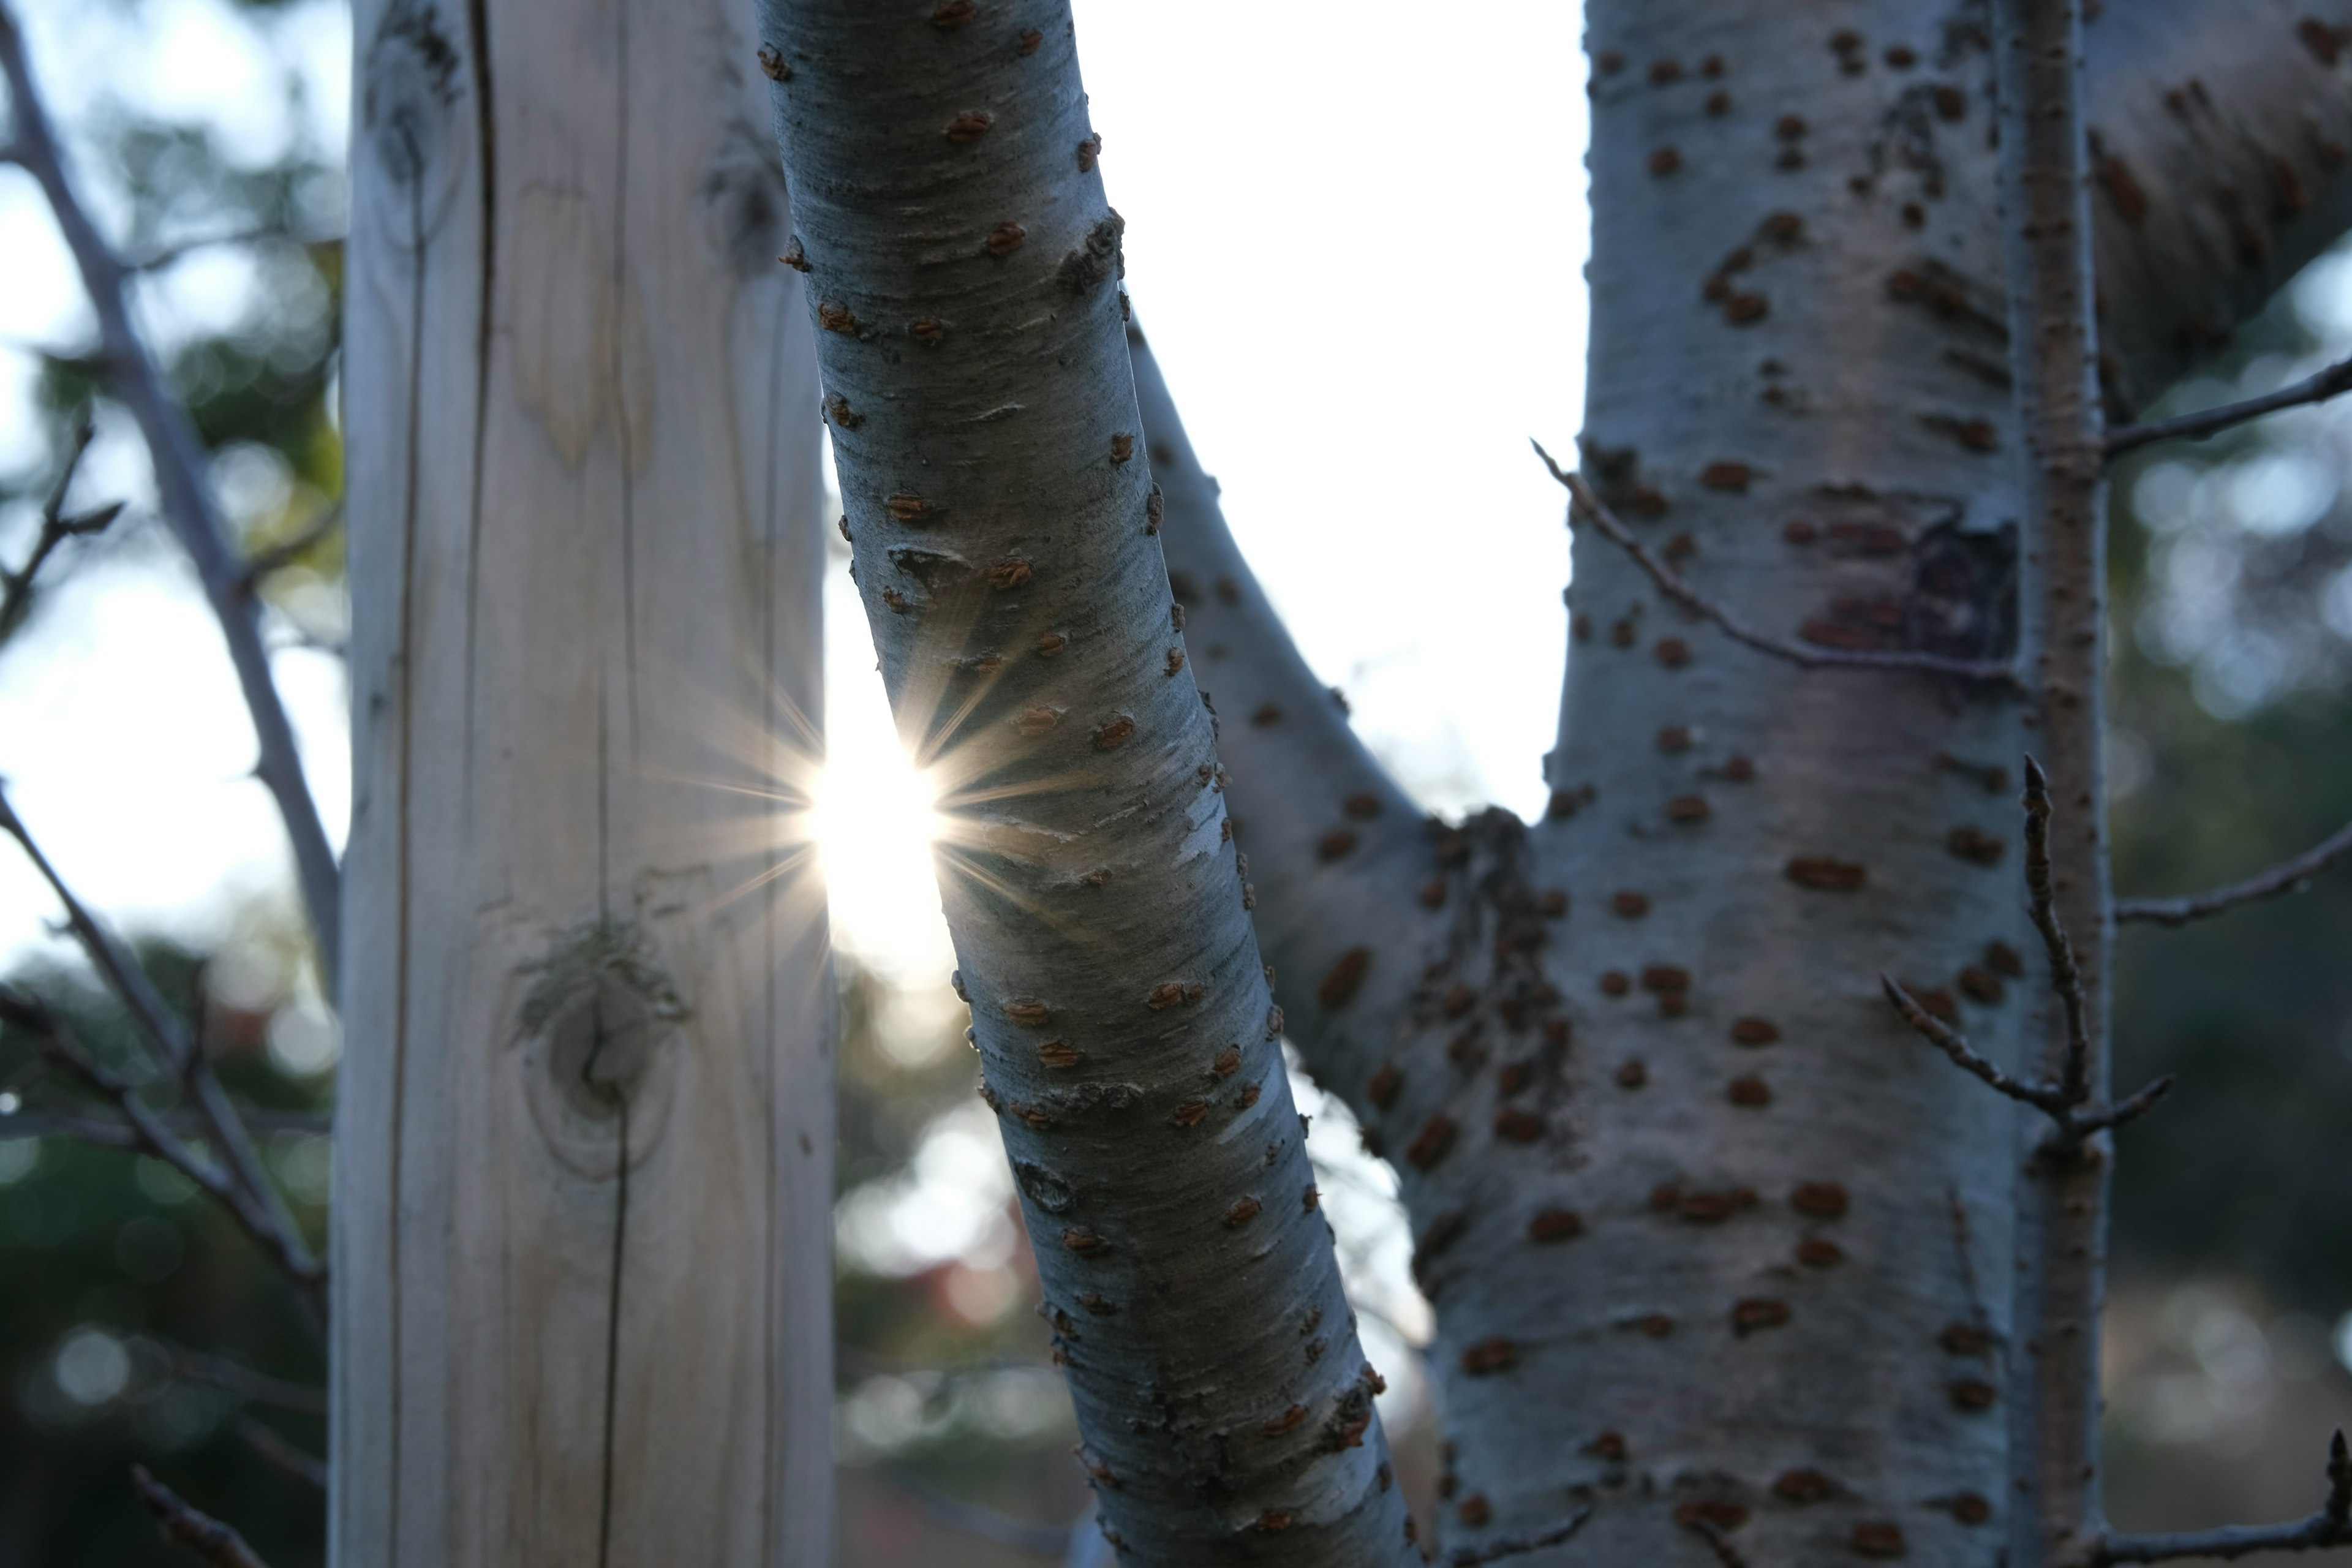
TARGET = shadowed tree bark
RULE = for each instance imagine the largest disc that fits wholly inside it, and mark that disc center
(964, 266)
(582, 1173)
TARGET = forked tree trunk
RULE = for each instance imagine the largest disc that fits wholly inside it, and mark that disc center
(584, 1138)
(1715, 1243)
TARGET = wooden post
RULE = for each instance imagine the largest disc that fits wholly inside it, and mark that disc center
(584, 1140)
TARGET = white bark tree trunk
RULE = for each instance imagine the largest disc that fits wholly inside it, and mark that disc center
(964, 266)
(1713, 1239)
(584, 1140)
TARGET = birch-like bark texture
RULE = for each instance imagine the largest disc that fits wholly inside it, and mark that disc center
(1339, 860)
(964, 266)
(583, 1149)
(1751, 1264)
(1801, 1340)
(2054, 1366)
(2218, 138)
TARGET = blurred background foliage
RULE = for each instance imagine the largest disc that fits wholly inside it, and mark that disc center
(137, 1324)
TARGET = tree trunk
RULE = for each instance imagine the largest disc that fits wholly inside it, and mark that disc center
(1715, 1244)
(584, 1140)
(964, 269)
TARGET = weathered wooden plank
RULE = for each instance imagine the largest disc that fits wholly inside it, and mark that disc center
(583, 1181)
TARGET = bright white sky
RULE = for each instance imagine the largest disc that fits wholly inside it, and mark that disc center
(1323, 222)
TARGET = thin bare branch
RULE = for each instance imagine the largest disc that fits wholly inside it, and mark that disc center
(2286, 877)
(1674, 586)
(238, 1382)
(49, 1122)
(2065, 975)
(56, 527)
(2123, 1111)
(201, 1533)
(2336, 379)
(2331, 1526)
(264, 564)
(284, 1243)
(270, 1445)
(2072, 1121)
(163, 256)
(1504, 1546)
(187, 499)
(178, 1051)
(1947, 1040)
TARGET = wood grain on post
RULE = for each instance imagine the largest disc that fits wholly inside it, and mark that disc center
(584, 1138)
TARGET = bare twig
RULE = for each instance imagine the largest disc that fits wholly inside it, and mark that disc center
(1945, 1038)
(272, 1448)
(2332, 382)
(2286, 877)
(2331, 1526)
(283, 1243)
(16, 587)
(187, 499)
(1674, 586)
(182, 1057)
(201, 1533)
(163, 256)
(239, 1382)
(1494, 1550)
(2067, 1102)
(2070, 1121)
(49, 1122)
(2065, 975)
(262, 565)
(2128, 1109)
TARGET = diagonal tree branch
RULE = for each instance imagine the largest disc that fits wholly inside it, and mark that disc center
(187, 499)
(1336, 850)
(262, 565)
(2286, 877)
(238, 1382)
(272, 1448)
(2178, 270)
(1506, 1546)
(1585, 504)
(183, 1525)
(2068, 1102)
(2065, 975)
(2336, 379)
(179, 1054)
(999, 504)
(148, 1133)
(1954, 1045)
(56, 527)
(2331, 1526)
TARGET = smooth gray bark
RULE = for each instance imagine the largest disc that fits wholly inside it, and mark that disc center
(963, 269)
(583, 1135)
